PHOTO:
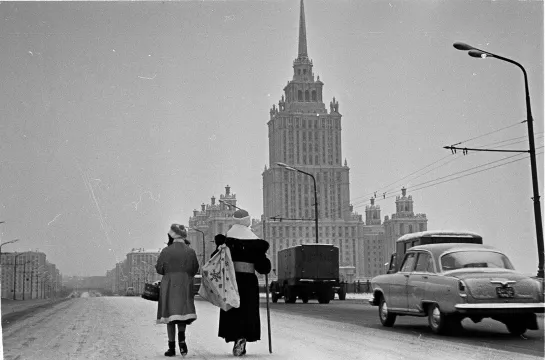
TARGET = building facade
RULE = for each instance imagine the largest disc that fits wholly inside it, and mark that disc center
(28, 275)
(303, 134)
(404, 221)
(373, 252)
(214, 218)
(140, 268)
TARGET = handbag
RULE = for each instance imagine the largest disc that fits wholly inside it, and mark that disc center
(151, 291)
(218, 283)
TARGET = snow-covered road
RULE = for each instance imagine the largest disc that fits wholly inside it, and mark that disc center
(123, 328)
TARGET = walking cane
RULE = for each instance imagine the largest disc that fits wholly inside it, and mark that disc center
(268, 313)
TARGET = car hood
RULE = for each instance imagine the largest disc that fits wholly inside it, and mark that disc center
(482, 284)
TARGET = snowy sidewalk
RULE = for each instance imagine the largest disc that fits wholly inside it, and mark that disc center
(10, 306)
(123, 328)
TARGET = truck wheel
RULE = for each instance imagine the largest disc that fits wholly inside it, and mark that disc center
(289, 296)
(342, 294)
(386, 317)
(324, 297)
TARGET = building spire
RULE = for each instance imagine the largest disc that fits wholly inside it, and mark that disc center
(302, 33)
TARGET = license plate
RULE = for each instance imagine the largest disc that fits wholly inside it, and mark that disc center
(505, 292)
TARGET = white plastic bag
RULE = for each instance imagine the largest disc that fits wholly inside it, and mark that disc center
(219, 284)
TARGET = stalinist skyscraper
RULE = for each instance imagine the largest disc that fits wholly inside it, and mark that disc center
(305, 135)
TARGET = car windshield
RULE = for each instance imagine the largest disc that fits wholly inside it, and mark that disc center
(475, 259)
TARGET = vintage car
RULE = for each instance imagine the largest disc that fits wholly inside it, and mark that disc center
(130, 291)
(448, 282)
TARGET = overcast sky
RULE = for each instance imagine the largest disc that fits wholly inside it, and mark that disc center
(118, 119)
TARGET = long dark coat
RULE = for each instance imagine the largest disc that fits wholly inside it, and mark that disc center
(178, 264)
(244, 321)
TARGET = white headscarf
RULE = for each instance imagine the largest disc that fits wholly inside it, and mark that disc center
(241, 229)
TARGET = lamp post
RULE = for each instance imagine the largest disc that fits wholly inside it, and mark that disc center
(15, 274)
(7, 242)
(291, 168)
(203, 245)
(478, 53)
(24, 274)
(31, 281)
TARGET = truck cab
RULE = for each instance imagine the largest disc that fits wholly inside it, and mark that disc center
(407, 241)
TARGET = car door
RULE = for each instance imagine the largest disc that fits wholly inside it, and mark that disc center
(398, 286)
(418, 281)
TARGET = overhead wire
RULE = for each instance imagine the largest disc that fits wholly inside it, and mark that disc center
(420, 187)
(492, 132)
(383, 192)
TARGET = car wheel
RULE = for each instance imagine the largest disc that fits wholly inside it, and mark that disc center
(386, 317)
(437, 319)
(516, 328)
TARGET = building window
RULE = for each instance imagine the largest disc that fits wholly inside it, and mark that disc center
(299, 95)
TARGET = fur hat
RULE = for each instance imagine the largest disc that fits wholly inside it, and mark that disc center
(242, 217)
(177, 231)
(239, 214)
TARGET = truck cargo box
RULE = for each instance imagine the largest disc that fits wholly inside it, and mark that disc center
(309, 261)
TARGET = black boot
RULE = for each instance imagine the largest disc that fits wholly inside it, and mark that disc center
(181, 343)
(171, 349)
(239, 348)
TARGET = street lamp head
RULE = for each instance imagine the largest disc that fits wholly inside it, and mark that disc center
(462, 46)
(287, 167)
(477, 54)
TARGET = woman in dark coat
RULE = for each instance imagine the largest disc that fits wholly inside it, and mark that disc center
(248, 253)
(178, 264)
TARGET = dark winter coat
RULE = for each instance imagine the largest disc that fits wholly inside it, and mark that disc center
(244, 321)
(178, 264)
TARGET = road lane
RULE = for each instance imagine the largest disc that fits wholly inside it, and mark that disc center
(486, 334)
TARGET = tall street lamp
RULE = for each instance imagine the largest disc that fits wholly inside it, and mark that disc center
(203, 245)
(478, 53)
(291, 168)
(7, 242)
(15, 274)
(24, 276)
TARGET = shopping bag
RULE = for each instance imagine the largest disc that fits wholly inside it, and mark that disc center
(151, 291)
(218, 283)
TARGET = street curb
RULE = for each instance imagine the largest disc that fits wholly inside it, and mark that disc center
(10, 318)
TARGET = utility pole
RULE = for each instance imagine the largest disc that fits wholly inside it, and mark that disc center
(482, 54)
(15, 274)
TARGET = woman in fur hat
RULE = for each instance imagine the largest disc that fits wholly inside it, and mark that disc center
(178, 264)
(248, 252)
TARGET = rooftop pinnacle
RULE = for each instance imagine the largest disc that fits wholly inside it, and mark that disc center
(302, 33)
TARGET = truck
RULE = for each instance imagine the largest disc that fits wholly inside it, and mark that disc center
(407, 241)
(308, 271)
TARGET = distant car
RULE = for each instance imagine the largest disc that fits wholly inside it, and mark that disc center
(130, 291)
(197, 283)
(452, 281)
